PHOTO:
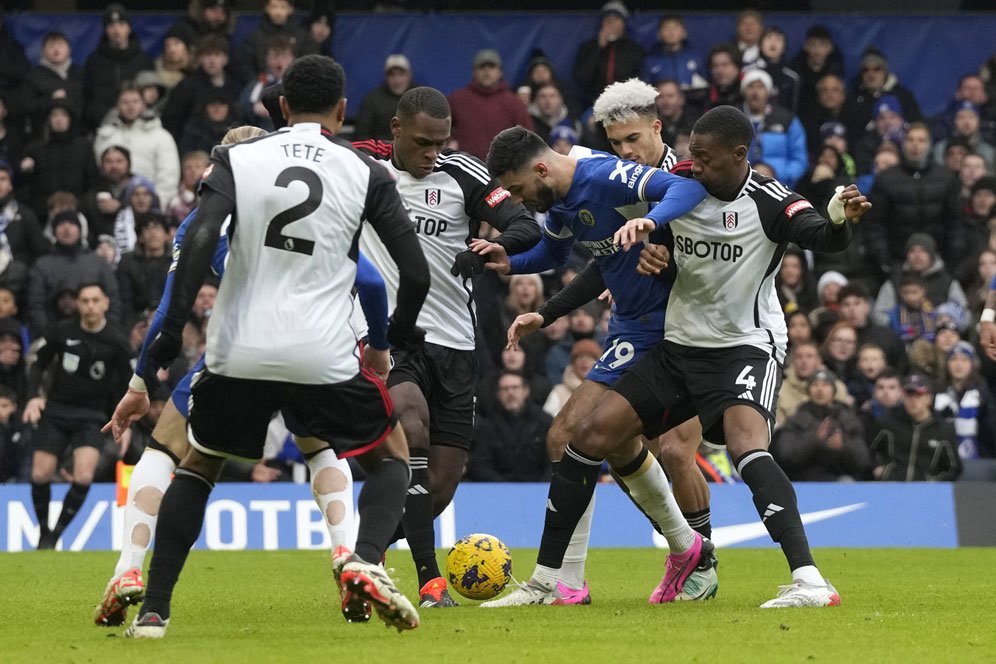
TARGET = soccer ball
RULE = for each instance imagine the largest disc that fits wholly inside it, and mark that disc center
(479, 566)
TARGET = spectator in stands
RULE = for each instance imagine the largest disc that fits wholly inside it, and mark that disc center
(855, 308)
(581, 324)
(510, 446)
(13, 371)
(204, 17)
(955, 150)
(102, 203)
(21, 239)
(886, 157)
(912, 315)
(966, 127)
(279, 56)
(140, 198)
(799, 328)
(62, 201)
(153, 92)
(871, 362)
(210, 124)
(185, 199)
(69, 265)
(523, 360)
(211, 73)
(724, 79)
(15, 445)
(671, 109)
(889, 125)
(485, 106)
(562, 139)
(978, 286)
(142, 272)
(817, 59)
(750, 28)
(672, 59)
(824, 440)
(153, 151)
(971, 169)
(118, 58)
(54, 78)
(549, 110)
(525, 295)
(321, 26)
(829, 170)
(12, 135)
(278, 21)
(794, 284)
(922, 260)
(584, 354)
(966, 403)
(825, 315)
(929, 353)
(177, 59)
(379, 106)
(898, 455)
(887, 393)
(60, 160)
(970, 89)
(609, 56)
(772, 60)
(875, 81)
(14, 68)
(803, 365)
(914, 197)
(840, 352)
(974, 222)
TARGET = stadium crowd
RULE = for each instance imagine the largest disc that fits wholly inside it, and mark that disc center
(100, 160)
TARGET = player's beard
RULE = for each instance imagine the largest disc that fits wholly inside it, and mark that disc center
(545, 197)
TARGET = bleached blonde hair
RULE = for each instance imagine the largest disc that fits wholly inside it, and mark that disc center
(239, 134)
(626, 101)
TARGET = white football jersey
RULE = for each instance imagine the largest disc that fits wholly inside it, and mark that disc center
(284, 308)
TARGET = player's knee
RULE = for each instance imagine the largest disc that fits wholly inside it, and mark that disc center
(594, 437)
(335, 512)
(148, 499)
(330, 480)
(674, 453)
(141, 535)
(556, 440)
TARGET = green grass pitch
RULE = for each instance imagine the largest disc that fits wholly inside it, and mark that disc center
(898, 605)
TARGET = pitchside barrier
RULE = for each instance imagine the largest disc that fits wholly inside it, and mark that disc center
(284, 516)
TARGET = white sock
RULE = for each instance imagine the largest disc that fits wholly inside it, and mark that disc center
(572, 571)
(332, 487)
(649, 489)
(149, 481)
(545, 577)
(808, 574)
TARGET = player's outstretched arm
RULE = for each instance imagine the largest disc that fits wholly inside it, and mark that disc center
(798, 222)
(372, 293)
(987, 324)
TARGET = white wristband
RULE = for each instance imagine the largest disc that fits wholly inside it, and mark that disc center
(137, 383)
(835, 207)
(988, 316)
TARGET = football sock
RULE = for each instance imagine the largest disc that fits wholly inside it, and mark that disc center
(41, 496)
(625, 489)
(70, 506)
(381, 503)
(181, 516)
(700, 522)
(774, 499)
(649, 488)
(570, 494)
(417, 521)
(149, 481)
(572, 571)
(332, 487)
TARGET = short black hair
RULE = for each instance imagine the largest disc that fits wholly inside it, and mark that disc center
(512, 149)
(90, 284)
(727, 124)
(888, 373)
(910, 278)
(729, 49)
(8, 393)
(314, 84)
(513, 372)
(852, 290)
(423, 99)
(125, 152)
(53, 35)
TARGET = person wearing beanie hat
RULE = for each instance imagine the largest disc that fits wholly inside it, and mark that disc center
(204, 17)
(968, 404)
(779, 139)
(380, 104)
(118, 59)
(824, 440)
(875, 81)
(966, 126)
(609, 56)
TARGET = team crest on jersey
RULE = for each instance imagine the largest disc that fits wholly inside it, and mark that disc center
(97, 370)
(432, 197)
(586, 217)
(731, 220)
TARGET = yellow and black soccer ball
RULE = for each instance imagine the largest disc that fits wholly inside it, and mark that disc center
(479, 566)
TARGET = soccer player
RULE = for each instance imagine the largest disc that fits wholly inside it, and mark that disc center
(449, 194)
(586, 199)
(279, 337)
(628, 112)
(88, 363)
(331, 478)
(725, 336)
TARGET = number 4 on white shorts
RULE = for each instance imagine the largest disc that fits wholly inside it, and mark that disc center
(747, 380)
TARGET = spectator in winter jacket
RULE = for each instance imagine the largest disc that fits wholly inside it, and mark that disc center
(68, 266)
(21, 239)
(888, 126)
(13, 369)
(205, 17)
(673, 111)
(874, 81)
(772, 60)
(118, 58)
(177, 59)
(609, 56)
(794, 284)
(672, 58)
(209, 125)
(584, 354)
(140, 198)
(278, 21)
(817, 59)
(12, 135)
(922, 260)
(485, 107)
(824, 440)
(913, 444)
(15, 440)
(212, 73)
(966, 403)
(142, 272)
(855, 308)
(967, 124)
(912, 315)
(185, 200)
(103, 202)
(779, 139)
(511, 445)
(915, 197)
(379, 106)
(60, 160)
(153, 90)
(512, 359)
(54, 78)
(750, 27)
(153, 151)
(724, 79)
(971, 89)
(871, 362)
(803, 365)
(826, 111)
(886, 394)
(549, 111)
(279, 56)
